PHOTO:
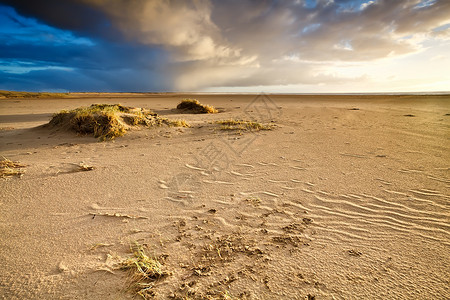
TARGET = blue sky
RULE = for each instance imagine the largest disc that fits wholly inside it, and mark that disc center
(302, 46)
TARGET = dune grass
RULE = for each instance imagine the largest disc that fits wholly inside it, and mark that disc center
(178, 123)
(194, 106)
(242, 125)
(13, 94)
(108, 121)
(144, 271)
(10, 168)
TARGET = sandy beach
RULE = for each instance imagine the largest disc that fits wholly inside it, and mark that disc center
(347, 197)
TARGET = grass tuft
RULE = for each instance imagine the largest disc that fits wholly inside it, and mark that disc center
(13, 94)
(242, 125)
(144, 271)
(178, 123)
(10, 168)
(194, 106)
(108, 121)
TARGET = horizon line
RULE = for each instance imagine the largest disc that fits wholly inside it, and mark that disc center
(243, 93)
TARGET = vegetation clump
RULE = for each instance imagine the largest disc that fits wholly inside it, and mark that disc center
(144, 270)
(108, 121)
(242, 125)
(194, 106)
(255, 201)
(84, 167)
(13, 94)
(10, 168)
(178, 123)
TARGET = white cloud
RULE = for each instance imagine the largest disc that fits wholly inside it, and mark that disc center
(366, 5)
(244, 42)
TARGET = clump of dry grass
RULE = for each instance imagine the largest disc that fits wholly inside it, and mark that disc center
(242, 125)
(100, 120)
(84, 167)
(178, 123)
(144, 271)
(194, 106)
(10, 168)
(108, 121)
(13, 94)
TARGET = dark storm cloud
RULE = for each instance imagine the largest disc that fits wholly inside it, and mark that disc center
(87, 80)
(73, 15)
(35, 56)
(105, 56)
(105, 67)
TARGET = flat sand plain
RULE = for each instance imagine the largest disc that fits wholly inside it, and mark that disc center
(348, 197)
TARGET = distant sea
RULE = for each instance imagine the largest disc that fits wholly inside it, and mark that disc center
(311, 94)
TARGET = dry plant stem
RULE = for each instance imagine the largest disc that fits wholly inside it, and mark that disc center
(10, 168)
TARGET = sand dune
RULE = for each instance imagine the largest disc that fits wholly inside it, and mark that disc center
(347, 197)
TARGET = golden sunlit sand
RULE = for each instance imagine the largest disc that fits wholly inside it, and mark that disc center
(273, 197)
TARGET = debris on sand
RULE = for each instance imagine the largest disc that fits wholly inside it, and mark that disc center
(84, 167)
(10, 168)
(117, 215)
(354, 252)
